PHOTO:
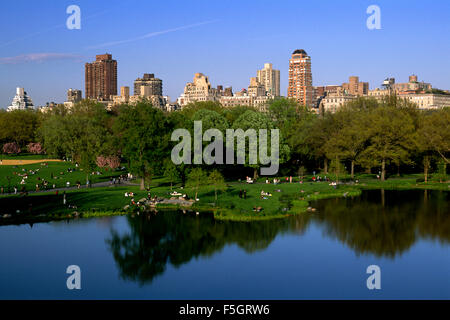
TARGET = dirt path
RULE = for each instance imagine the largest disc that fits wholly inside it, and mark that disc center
(25, 162)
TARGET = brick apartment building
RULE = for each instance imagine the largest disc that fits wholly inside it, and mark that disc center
(101, 78)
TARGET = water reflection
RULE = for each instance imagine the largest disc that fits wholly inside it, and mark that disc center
(176, 238)
(386, 223)
(382, 223)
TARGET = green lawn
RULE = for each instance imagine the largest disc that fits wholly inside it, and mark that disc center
(54, 172)
(288, 200)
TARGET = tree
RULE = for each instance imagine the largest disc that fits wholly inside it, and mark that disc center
(19, 126)
(35, 148)
(190, 109)
(257, 121)
(434, 133)
(196, 178)
(231, 114)
(101, 161)
(295, 123)
(216, 179)
(349, 136)
(171, 172)
(142, 133)
(391, 133)
(113, 162)
(318, 136)
(11, 148)
(211, 120)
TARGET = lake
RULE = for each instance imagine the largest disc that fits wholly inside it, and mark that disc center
(175, 255)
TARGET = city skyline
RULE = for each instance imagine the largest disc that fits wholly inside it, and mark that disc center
(179, 52)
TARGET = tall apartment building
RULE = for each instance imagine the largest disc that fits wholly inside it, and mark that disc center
(153, 85)
(270, 78)
(101, 78)
(300, 78)
(355, 87)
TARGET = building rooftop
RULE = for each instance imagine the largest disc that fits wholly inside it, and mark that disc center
(300, 51)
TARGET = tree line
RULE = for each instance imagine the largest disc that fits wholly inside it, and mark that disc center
(364, 135)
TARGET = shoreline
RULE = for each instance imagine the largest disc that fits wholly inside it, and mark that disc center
(297, 205)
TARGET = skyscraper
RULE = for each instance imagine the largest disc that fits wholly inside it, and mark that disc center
(300, 78)
(101, 78)
(270, 78)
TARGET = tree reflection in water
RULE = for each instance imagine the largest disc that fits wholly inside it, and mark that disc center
(387, 223)
(366, 224)
(176, 238)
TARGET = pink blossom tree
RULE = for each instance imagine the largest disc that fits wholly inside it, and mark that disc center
(113, 162)
(35, 148)
(11, 148)
(102, 161)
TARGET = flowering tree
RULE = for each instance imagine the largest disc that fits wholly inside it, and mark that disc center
(102, 161)
(113, 162)
(35, 148)
(11, 148)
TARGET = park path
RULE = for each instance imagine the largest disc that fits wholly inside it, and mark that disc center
(94, 185)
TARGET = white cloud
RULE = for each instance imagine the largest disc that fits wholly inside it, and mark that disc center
(149, 35)
(38, 57)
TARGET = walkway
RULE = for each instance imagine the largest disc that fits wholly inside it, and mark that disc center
(95, 185)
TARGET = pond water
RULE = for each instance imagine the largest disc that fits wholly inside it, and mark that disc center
(171, 255)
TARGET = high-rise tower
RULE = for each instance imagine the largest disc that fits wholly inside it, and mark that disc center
(101, 78)
(270, 79)
(300, 78)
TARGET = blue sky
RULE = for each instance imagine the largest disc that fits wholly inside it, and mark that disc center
(226, 40)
